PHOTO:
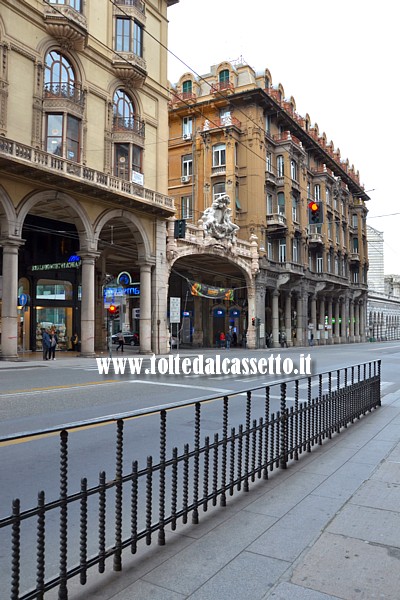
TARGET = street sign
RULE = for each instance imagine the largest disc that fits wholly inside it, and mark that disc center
(23, 299)
(174, 310)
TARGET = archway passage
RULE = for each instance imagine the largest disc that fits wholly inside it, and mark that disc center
(221, 305)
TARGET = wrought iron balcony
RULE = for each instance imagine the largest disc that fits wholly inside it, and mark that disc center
(222, 87)
(65, 91)
(131, 125)
(183, 98)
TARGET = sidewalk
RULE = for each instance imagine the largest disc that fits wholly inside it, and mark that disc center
(326, 528)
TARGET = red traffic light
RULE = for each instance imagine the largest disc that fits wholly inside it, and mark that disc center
(313, 206)
(112, 309)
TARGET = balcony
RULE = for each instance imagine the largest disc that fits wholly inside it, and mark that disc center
(133, 125)
(67, 25)
(63, 91)
(276, 222)
(222, 123)
(354, 257)
(315, 238)
(138, 4)
(270, 177)
(130, 68)
(183, 98)
(48, 169)
(224, 88)
(285, 137)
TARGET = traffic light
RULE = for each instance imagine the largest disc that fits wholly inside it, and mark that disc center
(179, 229)
(315, 215)
(253, 321)
(113, 312)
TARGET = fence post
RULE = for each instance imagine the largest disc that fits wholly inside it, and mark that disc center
(283, 432)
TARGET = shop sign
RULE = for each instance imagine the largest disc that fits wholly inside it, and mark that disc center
(121, 291)
(57, 266)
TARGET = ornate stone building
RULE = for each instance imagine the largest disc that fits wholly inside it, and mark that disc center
(232, 132)
(83, 184)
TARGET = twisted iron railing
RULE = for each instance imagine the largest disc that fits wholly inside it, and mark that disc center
(252, 440)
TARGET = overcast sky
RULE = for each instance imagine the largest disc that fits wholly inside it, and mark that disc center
(340, 62)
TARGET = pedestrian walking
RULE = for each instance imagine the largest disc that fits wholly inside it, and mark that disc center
(74, 342)
(53, 345)
(46, 344)
(121, 341)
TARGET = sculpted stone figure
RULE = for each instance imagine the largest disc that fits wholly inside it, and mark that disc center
(217, 219)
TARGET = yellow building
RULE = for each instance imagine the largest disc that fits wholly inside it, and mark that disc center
(296, 277)
(83, 182)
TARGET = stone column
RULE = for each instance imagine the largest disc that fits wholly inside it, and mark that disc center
(197, 322)
(362, 320)
(330, 332)
(305, 319)
(336, 333)
(275, 319)
(288, 319)
(299, 326)
(251, 331)
(9, 317)
(145, 309)
(322, 320)
(357, 322)
(260, 312)
(344, 313)
(351, 321)
(314, 317)
(87, 303)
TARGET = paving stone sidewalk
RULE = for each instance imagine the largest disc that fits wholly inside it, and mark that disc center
(328, 527)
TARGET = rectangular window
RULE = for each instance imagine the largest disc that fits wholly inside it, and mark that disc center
(329, 262)
(310, 261)
(355, 221)
(73, 126)
(329, 227)
(54, 140)
(294, 208)
(123, 34)
(187, 207)
(355, 245)
(127, 160)
(281, 203)
(137, 39)
(267, 123)
(269, 162)
(269, 204)
(328, 196)
(187, 126)
(219, 189)
(137, 154)
(270, 251)
(295, 250)
(293, 170)
(282, 251)
(280, 166)
(337, 232)
(187, 165)
(320, 263)
(219, 155)
(355, 276)
(317, 192)
(336, 265)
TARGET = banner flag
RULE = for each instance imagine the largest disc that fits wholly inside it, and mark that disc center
(208, 291)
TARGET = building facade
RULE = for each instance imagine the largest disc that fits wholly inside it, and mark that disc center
(383, 293)
(83, 184)
(286, 275)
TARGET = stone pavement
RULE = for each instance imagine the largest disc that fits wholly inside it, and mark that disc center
(328, 527)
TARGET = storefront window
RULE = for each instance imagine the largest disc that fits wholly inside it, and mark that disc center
(48, 289)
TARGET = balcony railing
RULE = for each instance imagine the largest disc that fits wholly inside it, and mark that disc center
(183, 97)
(129, 124)
(222, 87)
(276, 219)
(286, 136)
(65, 91)
(49, 163)
(135, 3)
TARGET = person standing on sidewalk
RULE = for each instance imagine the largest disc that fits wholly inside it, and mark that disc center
(121, 341)
(46, 344)
(53, 346)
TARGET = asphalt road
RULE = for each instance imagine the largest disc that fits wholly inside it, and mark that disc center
(36, 397)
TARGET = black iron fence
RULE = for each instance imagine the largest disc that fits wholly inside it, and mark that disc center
(259, 430)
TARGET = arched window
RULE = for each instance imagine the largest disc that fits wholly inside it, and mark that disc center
(63, 130)
(59, 76)
(224, 76)
(128, 156)
(124, 111)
